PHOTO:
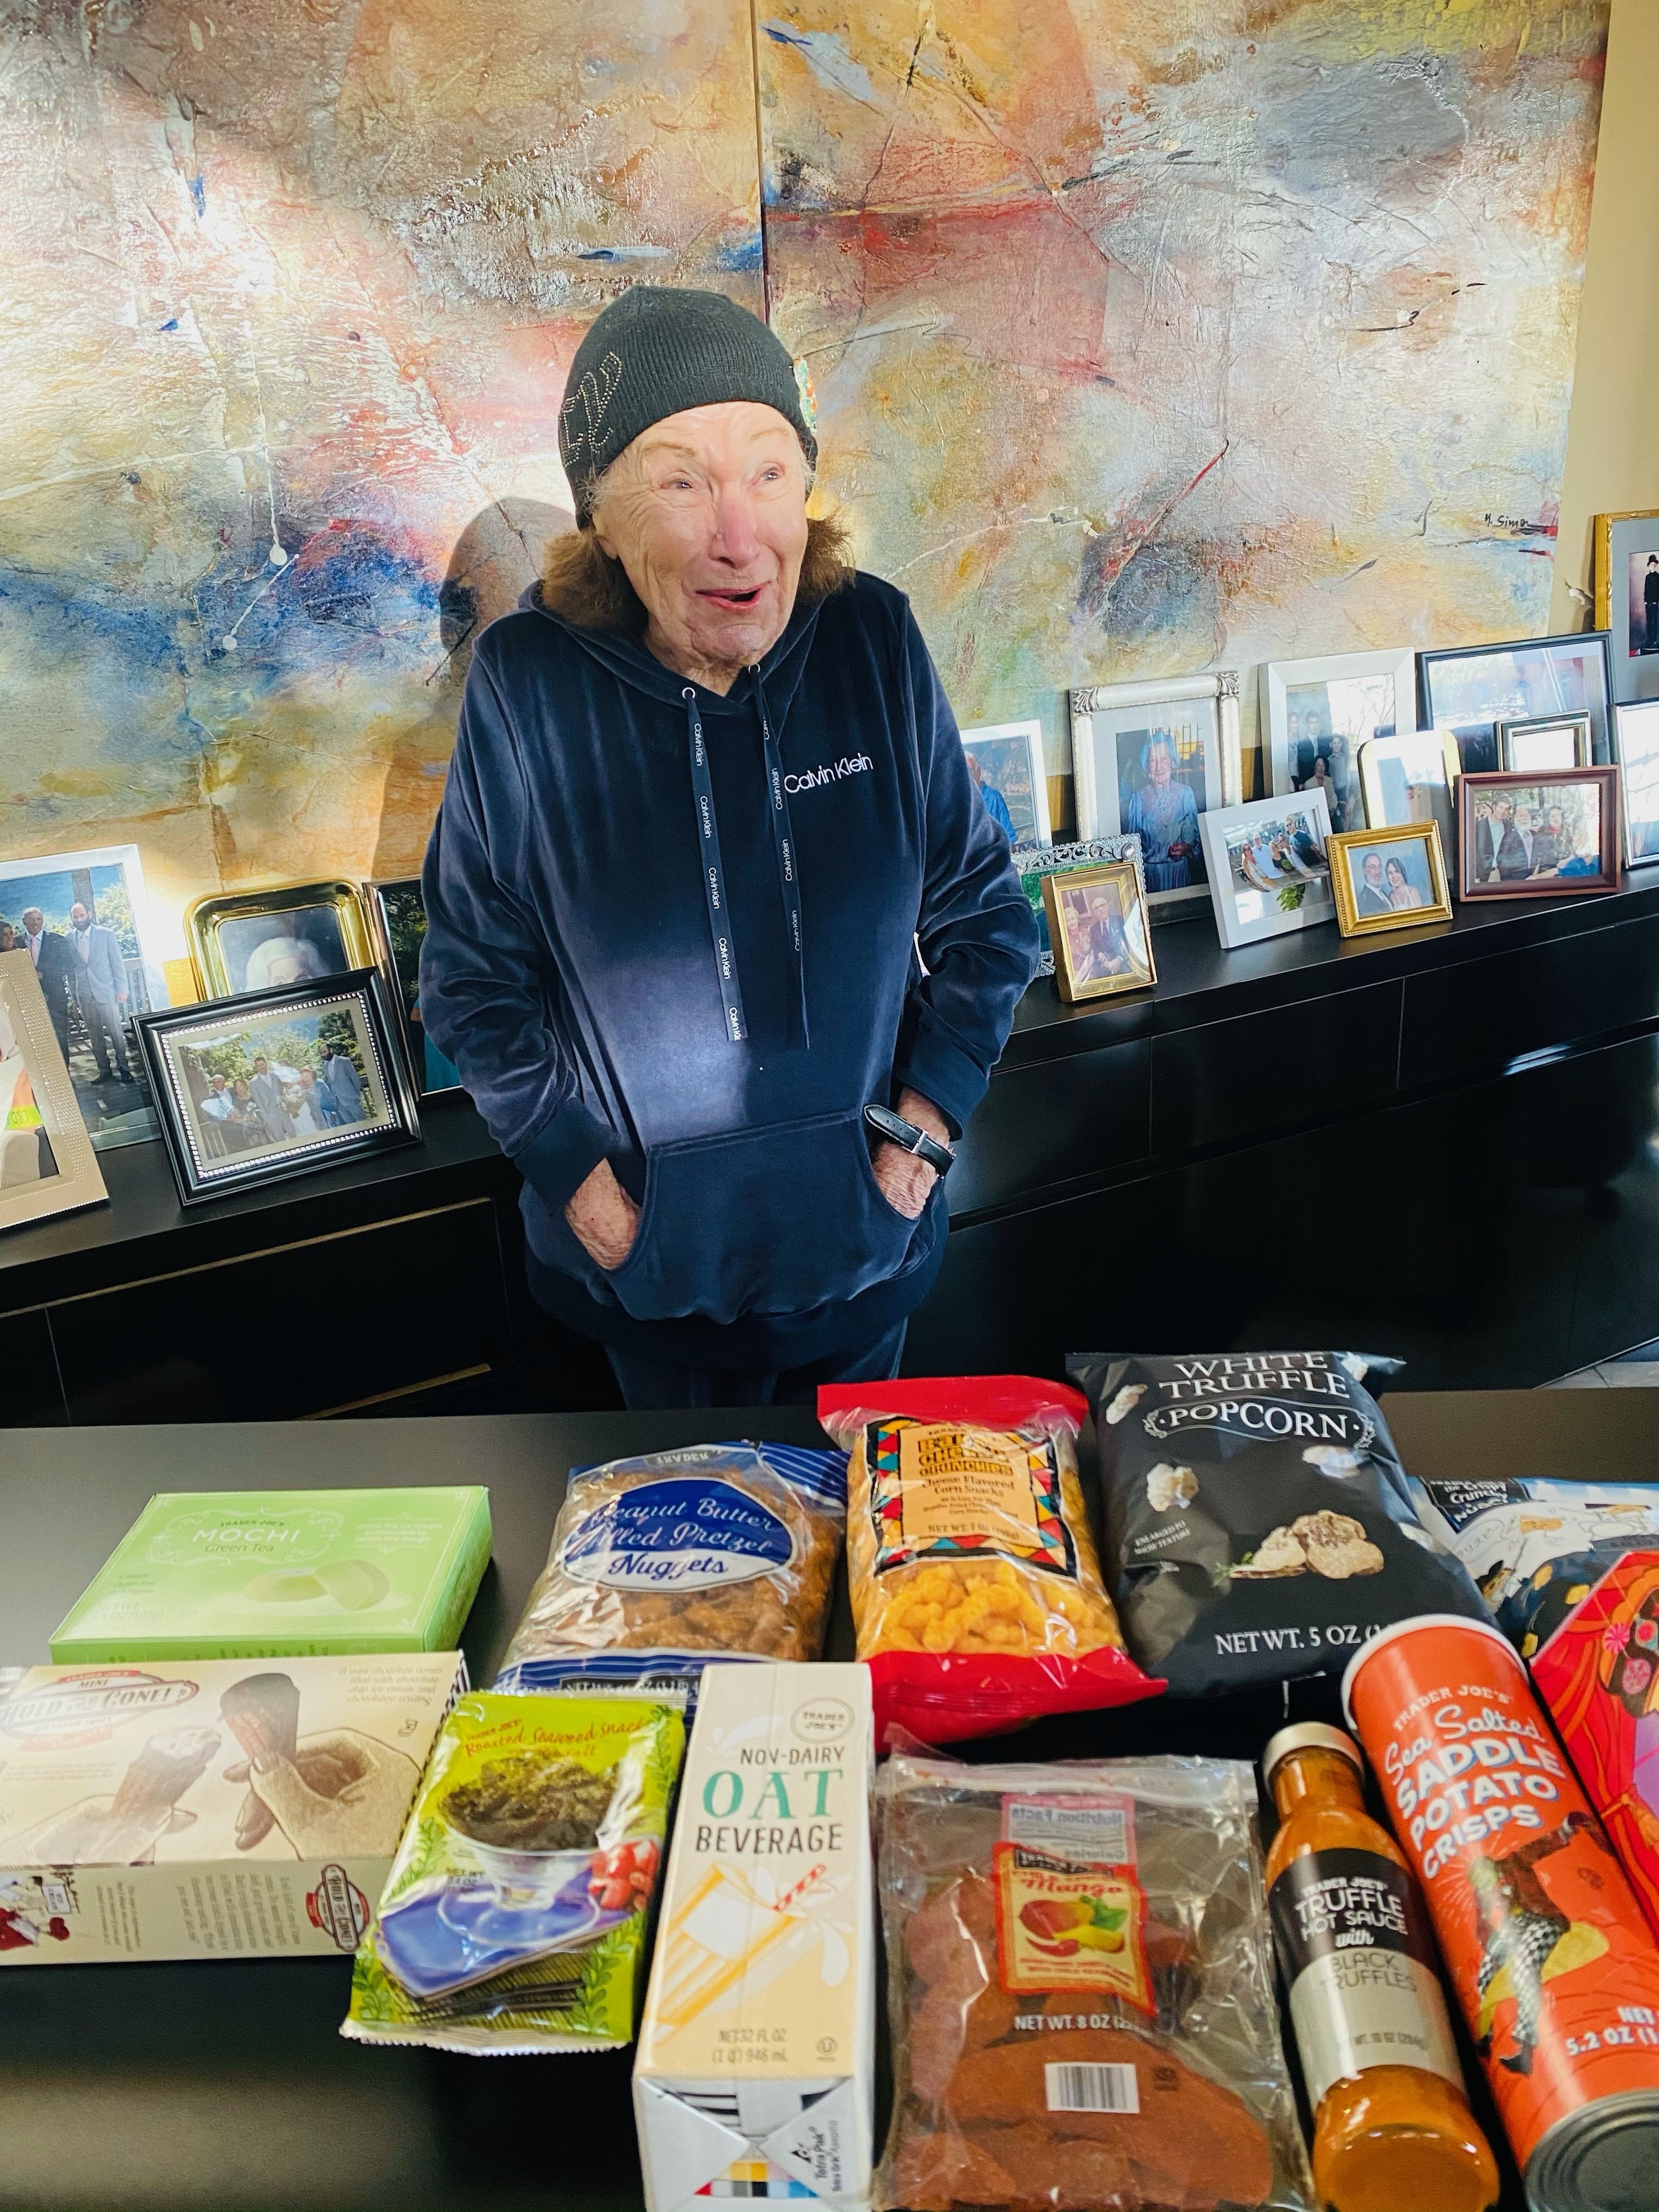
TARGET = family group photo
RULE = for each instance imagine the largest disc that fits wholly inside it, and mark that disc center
(1526, 832)
(1280, 857)
(1326, 723)
(268, 1086)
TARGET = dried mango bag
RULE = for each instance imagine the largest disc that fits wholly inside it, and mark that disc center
(977, 1590)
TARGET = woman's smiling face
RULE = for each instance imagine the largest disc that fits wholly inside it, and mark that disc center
(707, 513)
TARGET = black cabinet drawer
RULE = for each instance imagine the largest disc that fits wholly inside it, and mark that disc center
(31, 1394)
(1283, 1068)
(1481, 1016)
(1050, 1124)
(307, 1329)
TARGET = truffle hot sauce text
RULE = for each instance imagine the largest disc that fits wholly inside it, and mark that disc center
(1543, 1940)
(1391, 2124)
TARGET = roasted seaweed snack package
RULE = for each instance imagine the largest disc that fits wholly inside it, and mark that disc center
(1259, 1523)
(661, 1563)
(1081, 1990)
(976, 1588)
(513, 1919)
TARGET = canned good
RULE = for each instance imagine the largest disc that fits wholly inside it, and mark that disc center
(1543, 1940)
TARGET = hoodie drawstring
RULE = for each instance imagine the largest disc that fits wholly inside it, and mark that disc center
(713, 876)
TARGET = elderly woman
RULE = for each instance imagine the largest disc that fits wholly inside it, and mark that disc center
(1164, 815)
(707, 800)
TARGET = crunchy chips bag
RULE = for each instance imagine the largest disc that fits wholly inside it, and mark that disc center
(661, 1563)
(1081, 1990)
(976, 1589)
(513, 1918)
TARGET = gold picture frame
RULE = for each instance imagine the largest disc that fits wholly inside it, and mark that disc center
(47, 1164)
(231, 954)
(1350, 850)
(1604, 527)
(1099, 927)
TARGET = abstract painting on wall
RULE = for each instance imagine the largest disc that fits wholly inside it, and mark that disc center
(1147, 333)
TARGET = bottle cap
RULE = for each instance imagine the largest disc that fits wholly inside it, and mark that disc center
(1309, 1735)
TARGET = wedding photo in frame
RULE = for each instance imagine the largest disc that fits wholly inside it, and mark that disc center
(1391, 878)
(48, 1164)
(273, 1084)
(1267, 867)
(1004, 759)
(1316, 712)
(1627, 598)
(397, 913)
(1468, 689)
(272, 940)
(1550, 834)
(1097, 926)
(1148, 760)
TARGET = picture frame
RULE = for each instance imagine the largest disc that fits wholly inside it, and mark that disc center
(276, 939)
(1190, 724)
(271, 1056)
(1267, 867)
(1636, 741)
(47, 1163)
(1626, 553)
(1406, 778)
(1540, 742)
(1371, 869)
(1468, 689)
(396, 913)
(1502, 818)
(1034, 862)
(1100, 931)
(1005, 762)
(1355, 697)
(92, 1003)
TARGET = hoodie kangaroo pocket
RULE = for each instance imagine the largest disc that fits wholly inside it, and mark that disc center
(776, 1220)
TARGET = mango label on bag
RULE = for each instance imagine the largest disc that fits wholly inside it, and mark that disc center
(945, 1490)
(1070, 1913)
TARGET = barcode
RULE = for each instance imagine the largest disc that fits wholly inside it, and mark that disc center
(1092, 2089)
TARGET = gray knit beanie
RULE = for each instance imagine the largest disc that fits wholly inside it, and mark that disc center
(657, 350)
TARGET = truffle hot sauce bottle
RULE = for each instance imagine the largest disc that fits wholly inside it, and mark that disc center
(1392, 2126)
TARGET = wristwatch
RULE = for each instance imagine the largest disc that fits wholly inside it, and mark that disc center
(905, 1134)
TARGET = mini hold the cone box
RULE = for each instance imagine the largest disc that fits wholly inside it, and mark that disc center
(757, 2053)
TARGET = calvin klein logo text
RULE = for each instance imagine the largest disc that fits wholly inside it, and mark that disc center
(848, 764)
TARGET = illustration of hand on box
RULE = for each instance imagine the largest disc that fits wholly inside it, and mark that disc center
(124, 1829)
(334, 1794)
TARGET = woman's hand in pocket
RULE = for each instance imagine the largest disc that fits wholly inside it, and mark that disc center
(903, 1180)
(603, 1218)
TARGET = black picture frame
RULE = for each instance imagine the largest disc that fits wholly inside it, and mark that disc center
(205, 1161)
(392, 903)
(1477, 739)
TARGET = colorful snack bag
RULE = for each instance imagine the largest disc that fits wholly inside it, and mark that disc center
(513, 1918)
(1599, 1675)
(1259, 1523)
(1081, 1990)
(1544, 1946)
(977, 1591)
(1536, 1547)
(659, 1564)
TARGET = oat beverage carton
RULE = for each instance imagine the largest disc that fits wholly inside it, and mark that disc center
(755, 2070)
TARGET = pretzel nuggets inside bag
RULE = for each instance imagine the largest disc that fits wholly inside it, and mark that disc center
(977, 1590)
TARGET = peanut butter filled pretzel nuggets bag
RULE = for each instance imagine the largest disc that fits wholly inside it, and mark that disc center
(976, 1589)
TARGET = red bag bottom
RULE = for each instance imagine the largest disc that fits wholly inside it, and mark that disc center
(946, 1698)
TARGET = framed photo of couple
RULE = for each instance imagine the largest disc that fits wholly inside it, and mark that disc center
(1149, 760)
(1392, 878)
(1098, 927)
(273, 1084)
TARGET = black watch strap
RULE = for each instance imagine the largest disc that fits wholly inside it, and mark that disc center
(898, 1131)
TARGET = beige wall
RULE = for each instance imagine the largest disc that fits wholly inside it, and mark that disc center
(1612, 439)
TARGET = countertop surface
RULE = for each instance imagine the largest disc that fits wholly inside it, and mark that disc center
(226, 2087)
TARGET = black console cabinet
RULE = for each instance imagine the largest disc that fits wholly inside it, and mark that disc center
(1442, 1144)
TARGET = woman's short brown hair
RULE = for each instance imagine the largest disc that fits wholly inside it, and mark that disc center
(582, 582)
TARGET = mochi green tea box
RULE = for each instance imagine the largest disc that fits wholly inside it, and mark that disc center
(271, 1574)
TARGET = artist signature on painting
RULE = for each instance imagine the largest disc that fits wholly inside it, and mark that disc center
(1520, 525)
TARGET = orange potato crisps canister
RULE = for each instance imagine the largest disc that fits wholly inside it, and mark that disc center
(1544, 1941)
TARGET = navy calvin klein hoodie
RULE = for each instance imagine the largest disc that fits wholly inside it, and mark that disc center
(613, 892)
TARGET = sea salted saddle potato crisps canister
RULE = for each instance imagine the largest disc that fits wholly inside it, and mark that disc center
(1544, 1942)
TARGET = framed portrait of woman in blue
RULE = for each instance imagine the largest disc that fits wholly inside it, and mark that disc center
(1147, 760)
